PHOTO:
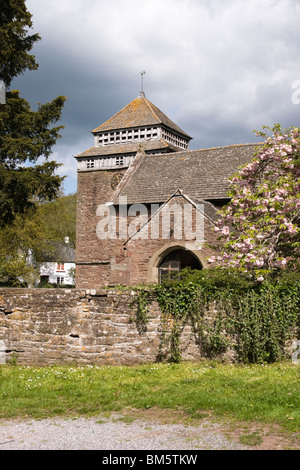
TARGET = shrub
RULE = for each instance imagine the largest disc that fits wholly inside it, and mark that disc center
(227, 309)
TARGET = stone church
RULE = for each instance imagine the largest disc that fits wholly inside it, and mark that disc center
(147, 204)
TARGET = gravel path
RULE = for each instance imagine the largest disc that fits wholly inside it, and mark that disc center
(109, 434)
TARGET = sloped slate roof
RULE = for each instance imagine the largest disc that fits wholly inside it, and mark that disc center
(202, 174)
(140, 112)
(59, 253)
(126, 148)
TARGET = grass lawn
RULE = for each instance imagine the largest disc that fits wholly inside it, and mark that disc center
(264, 393)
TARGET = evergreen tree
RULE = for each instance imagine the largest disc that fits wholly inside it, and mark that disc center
(15, 42)
(25, 135)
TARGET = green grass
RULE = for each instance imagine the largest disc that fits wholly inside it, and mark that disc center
(264, 393)
(253, 439)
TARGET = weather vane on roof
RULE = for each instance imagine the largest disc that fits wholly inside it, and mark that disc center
(142, 83)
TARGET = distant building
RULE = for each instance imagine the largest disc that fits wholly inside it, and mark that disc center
(58, 266)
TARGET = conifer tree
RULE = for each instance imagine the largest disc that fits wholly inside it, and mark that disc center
(25, 135)
(15, 41)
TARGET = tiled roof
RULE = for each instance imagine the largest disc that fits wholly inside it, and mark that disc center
(126, 148)
(60, 253)
(201, 174)
(140, 112)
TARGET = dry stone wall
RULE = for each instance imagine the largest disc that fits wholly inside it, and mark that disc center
(73, 326)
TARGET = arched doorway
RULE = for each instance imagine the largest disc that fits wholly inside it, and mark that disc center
(175, 261)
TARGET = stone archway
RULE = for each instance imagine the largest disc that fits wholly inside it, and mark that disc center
(173, 258)
(175, 261)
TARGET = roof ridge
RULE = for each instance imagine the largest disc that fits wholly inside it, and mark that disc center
(211, 148)
(231, 145)
(148, 103)
(164, 119)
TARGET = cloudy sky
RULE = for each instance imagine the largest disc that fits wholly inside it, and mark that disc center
(217, 68)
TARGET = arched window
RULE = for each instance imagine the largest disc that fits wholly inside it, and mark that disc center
(175, 261)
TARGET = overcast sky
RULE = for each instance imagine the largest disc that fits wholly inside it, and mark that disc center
(217, 68)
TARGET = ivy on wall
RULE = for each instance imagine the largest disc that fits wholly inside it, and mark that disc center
(227, 311)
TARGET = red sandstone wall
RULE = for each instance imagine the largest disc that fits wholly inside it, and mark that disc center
(93, 256)
(120, 261)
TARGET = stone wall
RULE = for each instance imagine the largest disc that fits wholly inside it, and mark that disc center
(73, 326)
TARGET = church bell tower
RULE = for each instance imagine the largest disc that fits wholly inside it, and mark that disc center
(101, 168)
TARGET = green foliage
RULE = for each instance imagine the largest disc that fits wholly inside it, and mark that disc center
(227, 310)
(59, 219)
(141, 302)
(25, 135)
(15, 42)
(265, 321)
(18, 241)
(25, 242)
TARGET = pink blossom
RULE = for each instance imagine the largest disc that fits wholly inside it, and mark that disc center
(259, 262)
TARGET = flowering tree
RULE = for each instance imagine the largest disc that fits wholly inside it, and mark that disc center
(260, 227)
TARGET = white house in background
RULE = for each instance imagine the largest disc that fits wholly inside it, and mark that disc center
(58, 267)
